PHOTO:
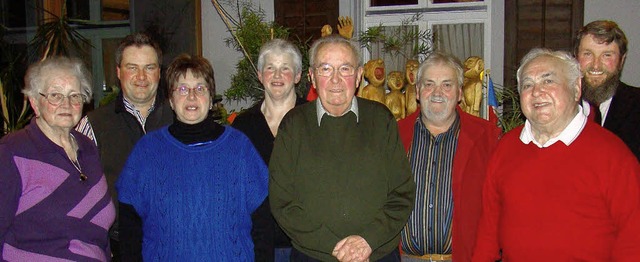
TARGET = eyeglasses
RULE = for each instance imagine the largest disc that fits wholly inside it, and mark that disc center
(57, 98)
(327, 70)
(185, 90)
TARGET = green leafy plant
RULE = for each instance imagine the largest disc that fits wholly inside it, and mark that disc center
(59, 37)
(405, 41)
(248, 33)
(510, 114)
(55, 37)
(14, 106)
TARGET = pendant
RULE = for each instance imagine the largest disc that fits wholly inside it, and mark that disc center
(83, 177)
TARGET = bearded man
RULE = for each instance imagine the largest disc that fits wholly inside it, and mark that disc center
(601, 48)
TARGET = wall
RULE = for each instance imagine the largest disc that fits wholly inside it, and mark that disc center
(627, 14)
(497, 41)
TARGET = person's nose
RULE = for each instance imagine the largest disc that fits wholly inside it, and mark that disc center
(141, 75)
(597, 63)
(192, 94)
(277, 73)
(536, 90)
(335, 77)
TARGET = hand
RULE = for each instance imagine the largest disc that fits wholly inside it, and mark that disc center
(345, 27)
(352, 249)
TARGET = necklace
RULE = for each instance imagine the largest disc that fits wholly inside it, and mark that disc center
(76, 163)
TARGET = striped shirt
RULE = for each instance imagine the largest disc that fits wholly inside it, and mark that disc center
(84, 126)
(428, 230)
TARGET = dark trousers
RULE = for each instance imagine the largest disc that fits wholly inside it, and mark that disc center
(297, 256)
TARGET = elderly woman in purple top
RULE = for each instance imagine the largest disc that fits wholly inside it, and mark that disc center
(54, 204)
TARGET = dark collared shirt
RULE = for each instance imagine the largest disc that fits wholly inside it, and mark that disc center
(429, 228)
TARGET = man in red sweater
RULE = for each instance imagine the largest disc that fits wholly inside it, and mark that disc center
(448, 150)
(560, 187)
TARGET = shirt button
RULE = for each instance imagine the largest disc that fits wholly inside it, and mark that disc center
(430, 205)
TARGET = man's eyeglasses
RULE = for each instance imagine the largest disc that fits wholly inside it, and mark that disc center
(185, 90)
(327, 70)
(57, 98)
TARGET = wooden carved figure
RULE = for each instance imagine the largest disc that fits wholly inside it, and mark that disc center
(374, 73)
(472, 86)
(410, 71)
(395, 99)
(326, 30)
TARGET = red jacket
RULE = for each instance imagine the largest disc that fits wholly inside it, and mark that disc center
(476, 142)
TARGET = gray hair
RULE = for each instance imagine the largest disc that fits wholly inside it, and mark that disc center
(34, 78)
(570, 63)
(334, 39)
(436, 59)
(280, 46)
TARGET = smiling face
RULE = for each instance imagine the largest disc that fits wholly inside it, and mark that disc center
(599, 61)
(139, 74)
(601, 65)
(62, 117)
(192, 108)
(547, 97)
(439, 93)
(335, 91)
(278, 76)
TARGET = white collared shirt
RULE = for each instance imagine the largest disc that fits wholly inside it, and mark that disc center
(320, 111)
(567, 136)
(604, 108)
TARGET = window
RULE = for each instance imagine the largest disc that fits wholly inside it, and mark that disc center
(461, 28)
(104, 23)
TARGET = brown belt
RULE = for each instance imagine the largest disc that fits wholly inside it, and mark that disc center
(432, 257)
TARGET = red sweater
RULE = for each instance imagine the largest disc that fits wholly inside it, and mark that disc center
(476, 142)
(561, 203)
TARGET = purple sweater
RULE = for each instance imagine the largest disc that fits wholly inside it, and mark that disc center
(46, 212)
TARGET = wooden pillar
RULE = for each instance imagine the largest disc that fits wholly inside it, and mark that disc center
(53, 9)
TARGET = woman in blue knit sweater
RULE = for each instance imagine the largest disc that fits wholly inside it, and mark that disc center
(188, 190)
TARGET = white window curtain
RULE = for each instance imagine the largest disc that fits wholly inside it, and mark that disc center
(460, 40)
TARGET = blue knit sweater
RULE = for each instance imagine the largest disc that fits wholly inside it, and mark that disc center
(195, 202)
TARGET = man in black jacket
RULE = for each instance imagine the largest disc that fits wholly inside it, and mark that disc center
(601, 48)
(139, 108)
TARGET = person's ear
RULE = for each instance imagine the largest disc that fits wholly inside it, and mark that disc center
(35, 106)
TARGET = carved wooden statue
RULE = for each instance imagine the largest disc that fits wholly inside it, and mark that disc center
(410, 71)
(472, 87)
(374, 73)
(395, 99)
(326, 30)
(345, 27)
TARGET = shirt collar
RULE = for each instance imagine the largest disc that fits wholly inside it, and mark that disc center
(567, 136)
(131, 108)
(320, 111)
(604, 108)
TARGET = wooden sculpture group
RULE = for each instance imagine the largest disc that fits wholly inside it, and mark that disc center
(401, 98)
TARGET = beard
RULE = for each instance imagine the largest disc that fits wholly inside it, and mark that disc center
(595, 95)
(437, 116)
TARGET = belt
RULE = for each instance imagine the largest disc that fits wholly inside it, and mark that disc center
(432, 257)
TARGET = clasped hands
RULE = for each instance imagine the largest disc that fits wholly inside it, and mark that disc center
(352, 249)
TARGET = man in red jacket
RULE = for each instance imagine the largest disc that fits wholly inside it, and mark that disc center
(448, 150)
